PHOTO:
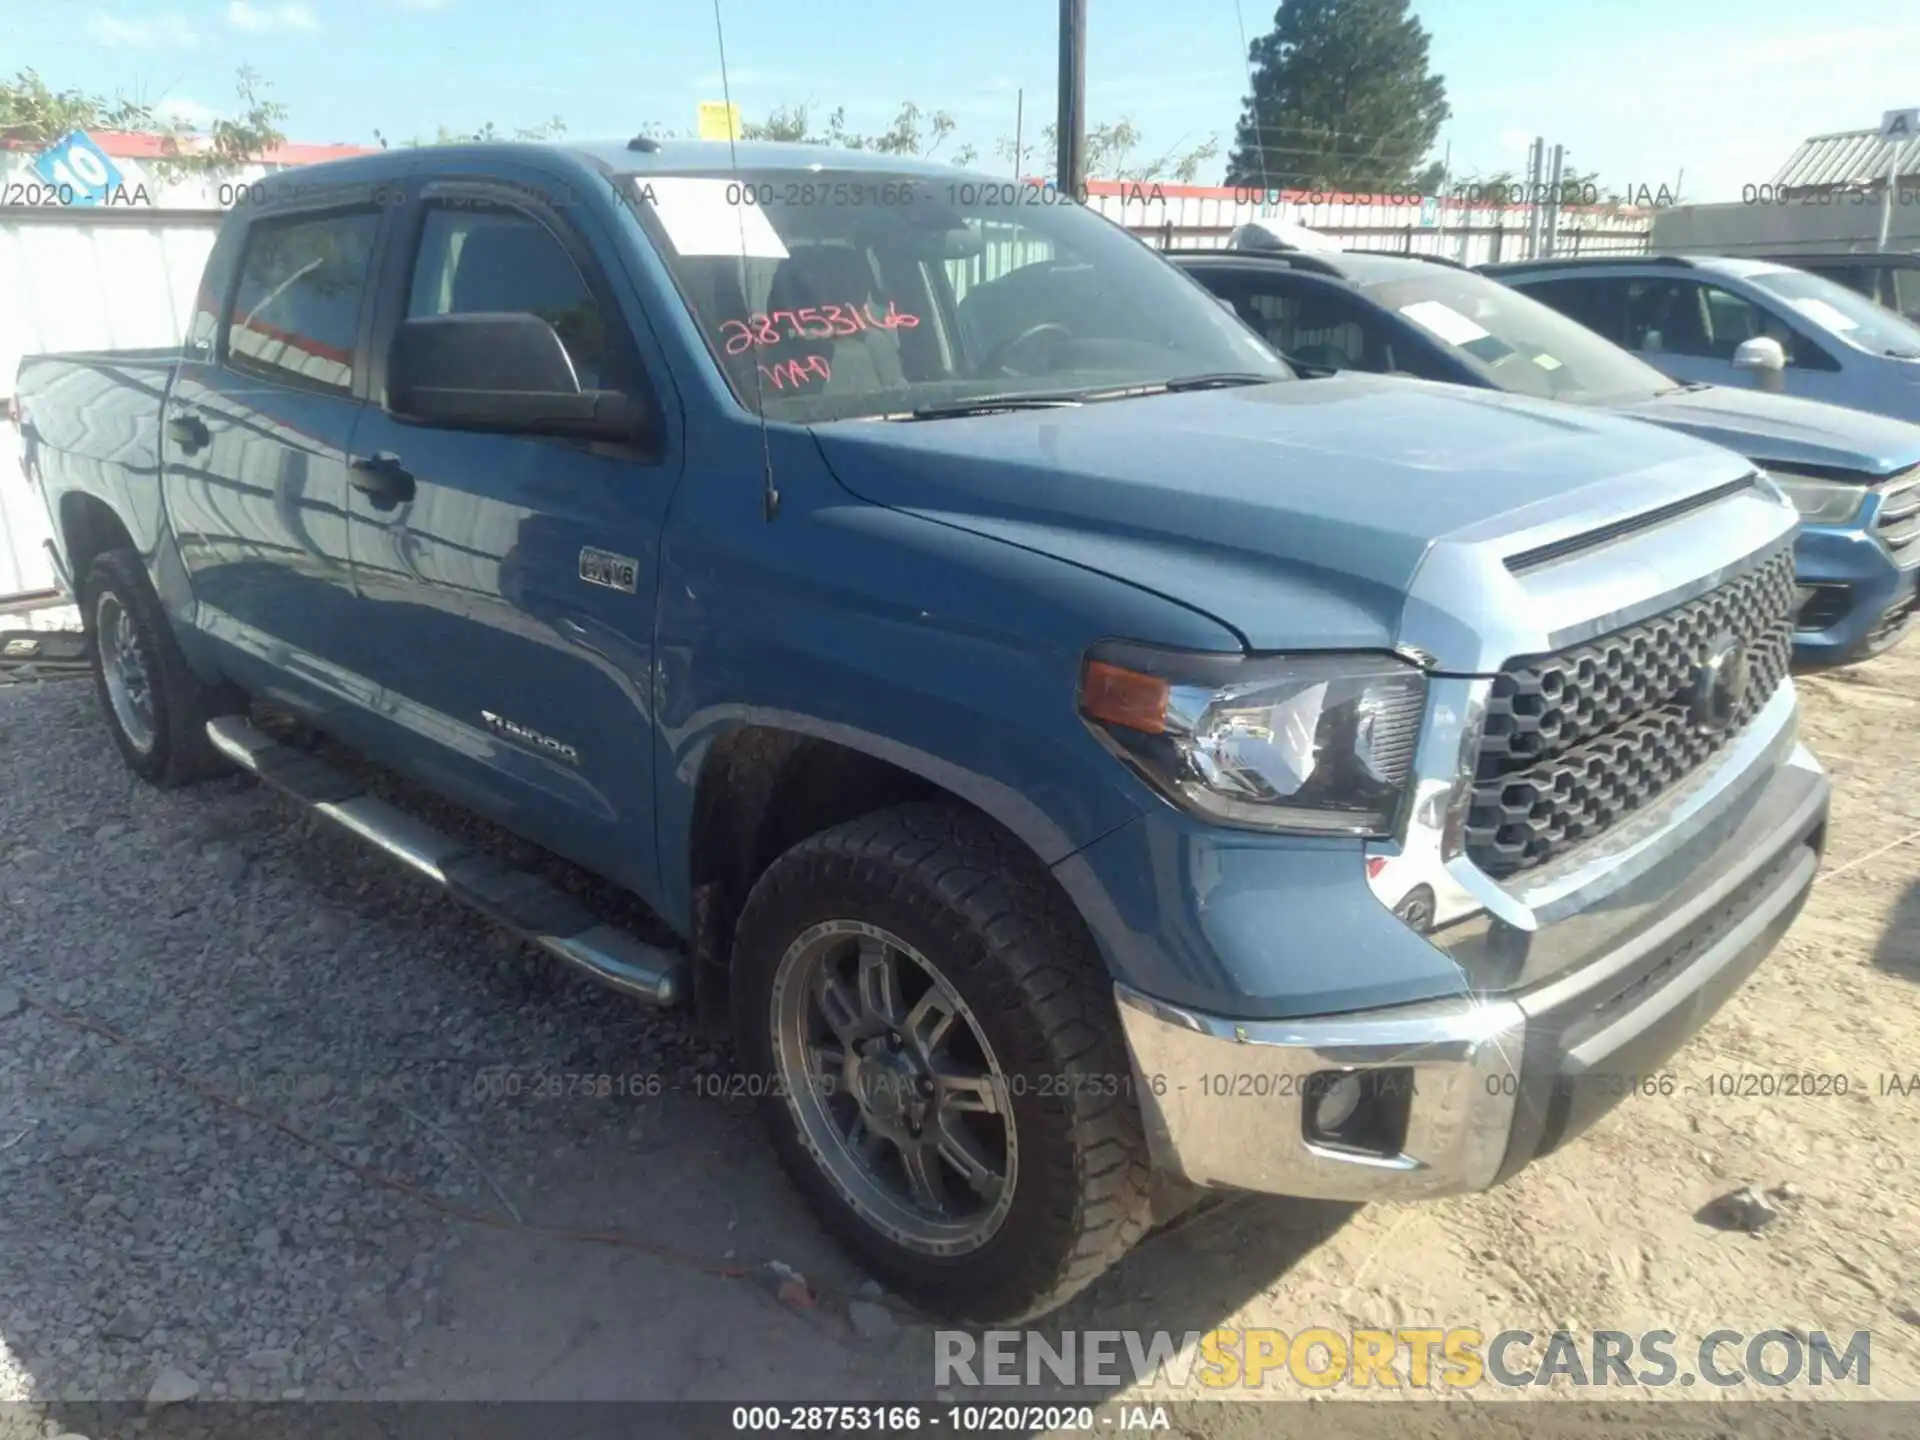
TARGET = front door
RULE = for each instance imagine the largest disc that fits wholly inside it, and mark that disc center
(507, 580)
(1690, 329)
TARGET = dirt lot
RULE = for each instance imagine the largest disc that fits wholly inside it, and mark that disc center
(387, 1219)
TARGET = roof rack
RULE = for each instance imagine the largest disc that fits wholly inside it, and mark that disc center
(1552, 262)
(1317, 262)
(1416, 255)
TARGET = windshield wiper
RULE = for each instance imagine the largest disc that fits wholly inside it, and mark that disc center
(1219, 380)
(1687, 389)
(1901, 354)
(987, 405)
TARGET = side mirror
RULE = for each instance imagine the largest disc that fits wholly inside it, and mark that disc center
(1764, 357)
(500, 372)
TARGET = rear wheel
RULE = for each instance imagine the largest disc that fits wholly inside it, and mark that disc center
(156, 707)
(944, 1074)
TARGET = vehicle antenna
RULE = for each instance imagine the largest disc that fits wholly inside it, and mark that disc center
(770, 503)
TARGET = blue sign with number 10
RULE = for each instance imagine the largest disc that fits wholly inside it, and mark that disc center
(79, 168)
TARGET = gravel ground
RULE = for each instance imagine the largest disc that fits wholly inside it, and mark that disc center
(155, 1241)
(148, 1228)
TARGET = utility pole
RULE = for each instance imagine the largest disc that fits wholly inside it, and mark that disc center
(1536, 157)
(1553, 198)
(1072, 125)
(1897, 129)
(1019, 115)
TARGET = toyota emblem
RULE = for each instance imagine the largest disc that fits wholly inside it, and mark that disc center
(1720, 684)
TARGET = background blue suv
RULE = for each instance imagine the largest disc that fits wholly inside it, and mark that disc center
(1854, 476)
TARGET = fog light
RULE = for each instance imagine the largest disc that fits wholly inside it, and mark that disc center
(1819, 606)
(1365, 1111)
(1335, 1105)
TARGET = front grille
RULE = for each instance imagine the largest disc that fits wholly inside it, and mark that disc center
(1899, 519)
(1577, 739)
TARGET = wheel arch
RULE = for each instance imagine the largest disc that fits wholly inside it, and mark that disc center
(764, 787)
(89, 527)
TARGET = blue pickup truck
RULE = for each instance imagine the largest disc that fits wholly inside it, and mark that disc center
(1071, 754)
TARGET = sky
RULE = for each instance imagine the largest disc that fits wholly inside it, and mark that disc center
(1704, 96)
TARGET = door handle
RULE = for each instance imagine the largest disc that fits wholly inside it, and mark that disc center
(189, 432)
(382, 479)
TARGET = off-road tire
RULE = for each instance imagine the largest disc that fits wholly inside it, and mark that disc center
(974, 901)
(182, 703)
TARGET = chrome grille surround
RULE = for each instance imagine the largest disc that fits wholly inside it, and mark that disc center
(1574, 740)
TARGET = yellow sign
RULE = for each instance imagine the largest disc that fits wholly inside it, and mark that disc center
(719, 120)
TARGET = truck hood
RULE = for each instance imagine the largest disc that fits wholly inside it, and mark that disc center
(1356, 511)
(1784, 430)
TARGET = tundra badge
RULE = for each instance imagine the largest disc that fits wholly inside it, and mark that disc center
(513, 730)
(603, 567)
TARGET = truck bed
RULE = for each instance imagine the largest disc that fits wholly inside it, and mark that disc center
(90, 423)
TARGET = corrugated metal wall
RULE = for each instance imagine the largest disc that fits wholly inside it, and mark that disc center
(1473, 234)
(74, 280)
(1842, 223)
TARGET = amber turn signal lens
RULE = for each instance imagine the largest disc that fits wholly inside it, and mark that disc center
(1124, 697)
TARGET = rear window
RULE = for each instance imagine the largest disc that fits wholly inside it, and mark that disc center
(296, 308)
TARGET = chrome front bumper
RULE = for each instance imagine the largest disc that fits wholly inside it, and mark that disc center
(1494, 1079)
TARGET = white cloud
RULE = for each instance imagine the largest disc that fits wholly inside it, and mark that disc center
(423, 4)
(265, 19)
(1728, 116)
(153, 33)
(746, 77)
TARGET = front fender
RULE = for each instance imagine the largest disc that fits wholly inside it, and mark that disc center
(948, 654)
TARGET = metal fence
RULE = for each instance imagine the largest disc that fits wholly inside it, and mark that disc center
(1469, 232)
(77, 280)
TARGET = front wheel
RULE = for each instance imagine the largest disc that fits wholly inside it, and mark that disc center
(945, 1077)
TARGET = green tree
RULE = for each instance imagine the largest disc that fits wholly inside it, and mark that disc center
(33, 112)
(914, 131)
(1342, 99)
(1113, 153)
(550, 129)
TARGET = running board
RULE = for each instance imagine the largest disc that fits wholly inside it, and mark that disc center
(551, 919)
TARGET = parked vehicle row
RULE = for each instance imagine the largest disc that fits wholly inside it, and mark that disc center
(1891, 278)
(1854, 476)
(1068, 747)
(1713, 320)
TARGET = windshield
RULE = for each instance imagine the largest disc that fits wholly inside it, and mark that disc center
(835, 294)
(1520, 344)
(1843, 313)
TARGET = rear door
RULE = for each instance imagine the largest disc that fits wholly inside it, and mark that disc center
(256, 433)
(507, 580)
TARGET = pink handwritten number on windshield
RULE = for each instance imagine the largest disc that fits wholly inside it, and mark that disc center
(792, 374)
(825, 322)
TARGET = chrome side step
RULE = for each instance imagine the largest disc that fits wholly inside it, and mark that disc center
(551, 919)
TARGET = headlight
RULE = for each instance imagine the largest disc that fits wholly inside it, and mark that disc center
(1820, 502)
(1318, 744)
